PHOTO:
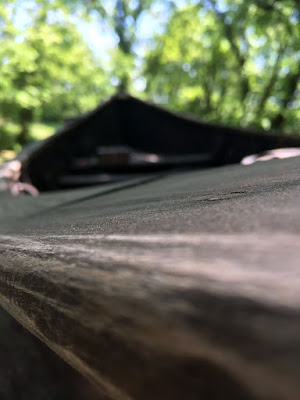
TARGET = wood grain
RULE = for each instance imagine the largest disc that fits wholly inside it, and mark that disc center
(191, 294)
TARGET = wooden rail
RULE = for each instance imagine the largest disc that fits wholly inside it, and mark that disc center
(183, 288)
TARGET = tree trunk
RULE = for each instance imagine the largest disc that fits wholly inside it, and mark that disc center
(25, 118)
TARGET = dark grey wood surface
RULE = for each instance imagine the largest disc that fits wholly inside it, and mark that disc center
(29, 370)
(182, 287)
(141, 127)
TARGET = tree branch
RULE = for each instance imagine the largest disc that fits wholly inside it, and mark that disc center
(292, 83)
(268, 88)
(235, 49)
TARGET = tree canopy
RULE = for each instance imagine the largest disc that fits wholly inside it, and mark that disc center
(233, 62)
(47, 72)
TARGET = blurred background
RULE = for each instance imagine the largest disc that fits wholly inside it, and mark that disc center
(234, 62)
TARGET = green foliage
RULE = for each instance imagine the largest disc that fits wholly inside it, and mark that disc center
(9, 135)
(47, 72)
(40, 131)
(122, 17)
(6, 155)
(234, 62)
(231, 62)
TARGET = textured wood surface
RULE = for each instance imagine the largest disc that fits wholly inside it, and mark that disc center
(183, 287)
(31, 371)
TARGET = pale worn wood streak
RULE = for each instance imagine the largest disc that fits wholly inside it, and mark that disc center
(190, 295)
(31, 371)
